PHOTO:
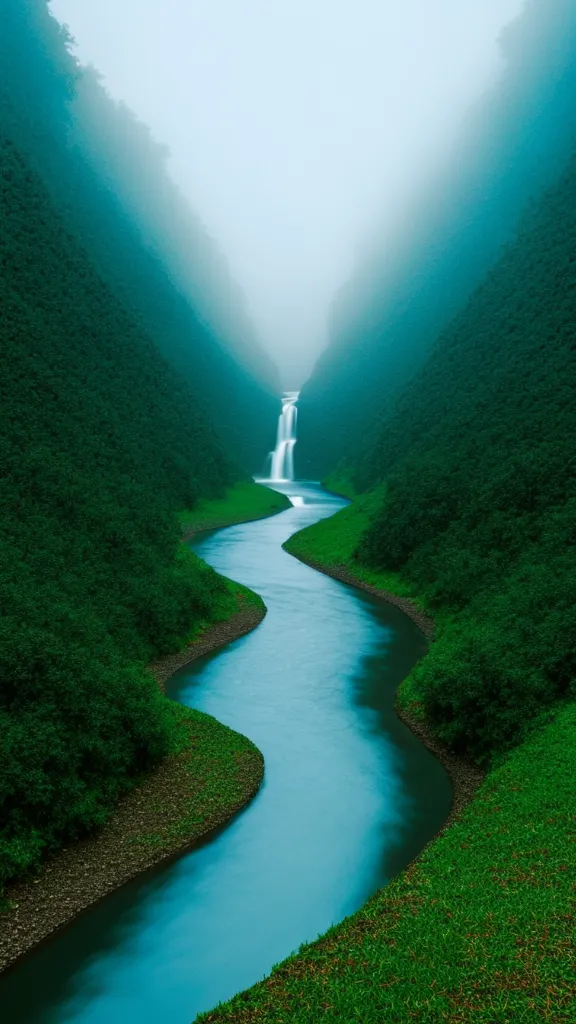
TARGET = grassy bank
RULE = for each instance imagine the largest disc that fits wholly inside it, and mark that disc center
(332, 542)
(479, 930)
(242, 503)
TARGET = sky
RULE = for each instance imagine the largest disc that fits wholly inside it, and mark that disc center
(295, 126)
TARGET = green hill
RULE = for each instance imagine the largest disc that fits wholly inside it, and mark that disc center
(480, 506)
(121, 402)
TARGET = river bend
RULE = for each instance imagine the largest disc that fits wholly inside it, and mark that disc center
(350, 796)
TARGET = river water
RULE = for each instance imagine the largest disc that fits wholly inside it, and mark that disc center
(350, 796)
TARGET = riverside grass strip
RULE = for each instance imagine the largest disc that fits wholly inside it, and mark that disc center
(245, 502)
(480, 928)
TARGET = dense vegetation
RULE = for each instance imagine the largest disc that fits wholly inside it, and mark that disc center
(475, 456)
(108, 178)
(105, 435)
(100, 444)
(480, 506)
(419, 272)
(470, 503)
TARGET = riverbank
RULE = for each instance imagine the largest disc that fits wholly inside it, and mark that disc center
(244, 503)
(479, 928)
(212, 773)
(464, 775)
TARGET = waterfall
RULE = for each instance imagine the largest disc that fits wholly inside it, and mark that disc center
(282, 458)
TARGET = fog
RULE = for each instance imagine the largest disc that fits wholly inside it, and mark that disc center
(295, 126)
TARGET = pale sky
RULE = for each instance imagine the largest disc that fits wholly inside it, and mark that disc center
(295, 125)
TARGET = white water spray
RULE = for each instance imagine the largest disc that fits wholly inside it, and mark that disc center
(282, 458)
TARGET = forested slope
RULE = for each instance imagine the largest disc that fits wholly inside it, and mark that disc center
(119, 403)
(410, 285)
(109, 179)
(480, 507)
(471, 495)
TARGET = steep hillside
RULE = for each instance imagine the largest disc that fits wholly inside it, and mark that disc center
(125, 399)
(101, 444)
(109, 179)
(516, 143)
(480, 508)
(475, 507)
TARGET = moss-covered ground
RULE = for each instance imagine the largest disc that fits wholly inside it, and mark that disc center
(478, 930)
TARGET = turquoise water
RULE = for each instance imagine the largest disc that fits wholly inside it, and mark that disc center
(349, 797)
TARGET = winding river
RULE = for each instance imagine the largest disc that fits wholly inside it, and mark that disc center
(350, 796)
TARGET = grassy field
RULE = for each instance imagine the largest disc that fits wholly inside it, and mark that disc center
(242, 503)
(480, 929)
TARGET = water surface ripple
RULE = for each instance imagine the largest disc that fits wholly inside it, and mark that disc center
(349, 797)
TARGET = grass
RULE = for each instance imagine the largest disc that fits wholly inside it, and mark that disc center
(332, 542)
(340, 482)
(478, 930)
(234, 598)
(212, 771)
(241, 503)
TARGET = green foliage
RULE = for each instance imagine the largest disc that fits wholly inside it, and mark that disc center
(479, 515)
(103, 438)
(108, 179)
(341, 481)
(241, 503)
(422, 267)
(480, 929)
